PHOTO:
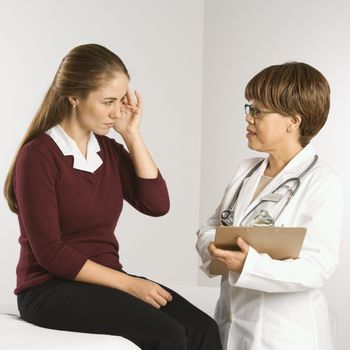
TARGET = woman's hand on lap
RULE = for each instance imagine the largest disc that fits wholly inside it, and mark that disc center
(148, 291)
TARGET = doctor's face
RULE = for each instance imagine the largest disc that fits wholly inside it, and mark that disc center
(267, 131)
(98, 111)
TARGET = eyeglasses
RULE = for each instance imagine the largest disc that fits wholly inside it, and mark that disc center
(256, 113)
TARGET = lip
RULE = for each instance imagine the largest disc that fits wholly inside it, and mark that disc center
(250, 133)
(109, 125)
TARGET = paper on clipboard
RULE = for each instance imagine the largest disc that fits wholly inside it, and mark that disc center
(278, 242)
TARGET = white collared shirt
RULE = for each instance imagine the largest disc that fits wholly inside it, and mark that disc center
(68, 146)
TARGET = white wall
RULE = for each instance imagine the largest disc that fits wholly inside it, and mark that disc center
(161, 44)
(240, 39)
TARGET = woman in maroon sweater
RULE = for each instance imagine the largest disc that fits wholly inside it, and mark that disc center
(67, 185)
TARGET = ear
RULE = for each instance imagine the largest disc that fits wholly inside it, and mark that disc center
(294, 123)
(73, 100)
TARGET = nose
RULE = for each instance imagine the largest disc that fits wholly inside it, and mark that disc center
(115, 112)
(249, 119)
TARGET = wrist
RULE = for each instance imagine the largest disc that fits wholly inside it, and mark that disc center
(131, 136)
(123, 281)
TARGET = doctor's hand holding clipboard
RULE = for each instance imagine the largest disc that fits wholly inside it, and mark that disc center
(232, 243)
(233, 260)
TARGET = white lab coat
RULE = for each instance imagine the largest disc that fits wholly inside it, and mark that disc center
(273, 304)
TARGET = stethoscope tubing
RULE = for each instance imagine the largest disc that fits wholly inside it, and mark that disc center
(231, 208)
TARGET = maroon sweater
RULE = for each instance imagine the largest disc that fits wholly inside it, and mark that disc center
(67, 215)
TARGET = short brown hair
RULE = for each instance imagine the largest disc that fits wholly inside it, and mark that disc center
(293, 88)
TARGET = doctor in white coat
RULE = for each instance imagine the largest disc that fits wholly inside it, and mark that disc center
(268, 304)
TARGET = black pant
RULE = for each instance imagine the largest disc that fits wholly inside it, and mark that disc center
(83, 307)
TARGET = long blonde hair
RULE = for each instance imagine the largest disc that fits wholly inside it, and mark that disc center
(81, 71)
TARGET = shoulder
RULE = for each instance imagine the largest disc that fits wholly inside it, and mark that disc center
(323, 176)
(322, 185)
(113, 150)
(320, 173)
(36, 157)
(107, 142)
(38, 147)
(243, 168)
(245, 165)
(249, 162)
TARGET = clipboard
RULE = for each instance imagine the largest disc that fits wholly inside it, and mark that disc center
(278, 242)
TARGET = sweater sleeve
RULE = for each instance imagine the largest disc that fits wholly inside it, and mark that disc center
(34, 185)
(149, 196)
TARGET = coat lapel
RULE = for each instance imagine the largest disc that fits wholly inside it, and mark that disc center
(247, 192)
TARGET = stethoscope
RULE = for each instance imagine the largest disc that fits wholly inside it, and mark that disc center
(228, 214)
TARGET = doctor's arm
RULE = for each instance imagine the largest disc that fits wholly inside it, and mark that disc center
(322, 216)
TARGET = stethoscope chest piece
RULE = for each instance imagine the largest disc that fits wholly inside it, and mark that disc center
(226, 217)
(263, 219)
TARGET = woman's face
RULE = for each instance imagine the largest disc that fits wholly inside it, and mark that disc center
(271, 132)
(98, 111)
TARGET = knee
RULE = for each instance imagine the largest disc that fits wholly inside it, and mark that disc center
(205, 327)
(205, 334)
(211, 323)
(176, 337)
(168, 335)
(207, 324)
(212, 327)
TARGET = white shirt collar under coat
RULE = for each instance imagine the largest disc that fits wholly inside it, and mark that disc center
(68, 146)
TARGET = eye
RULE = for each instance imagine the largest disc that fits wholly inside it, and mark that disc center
(255, 111)
(109, 103)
